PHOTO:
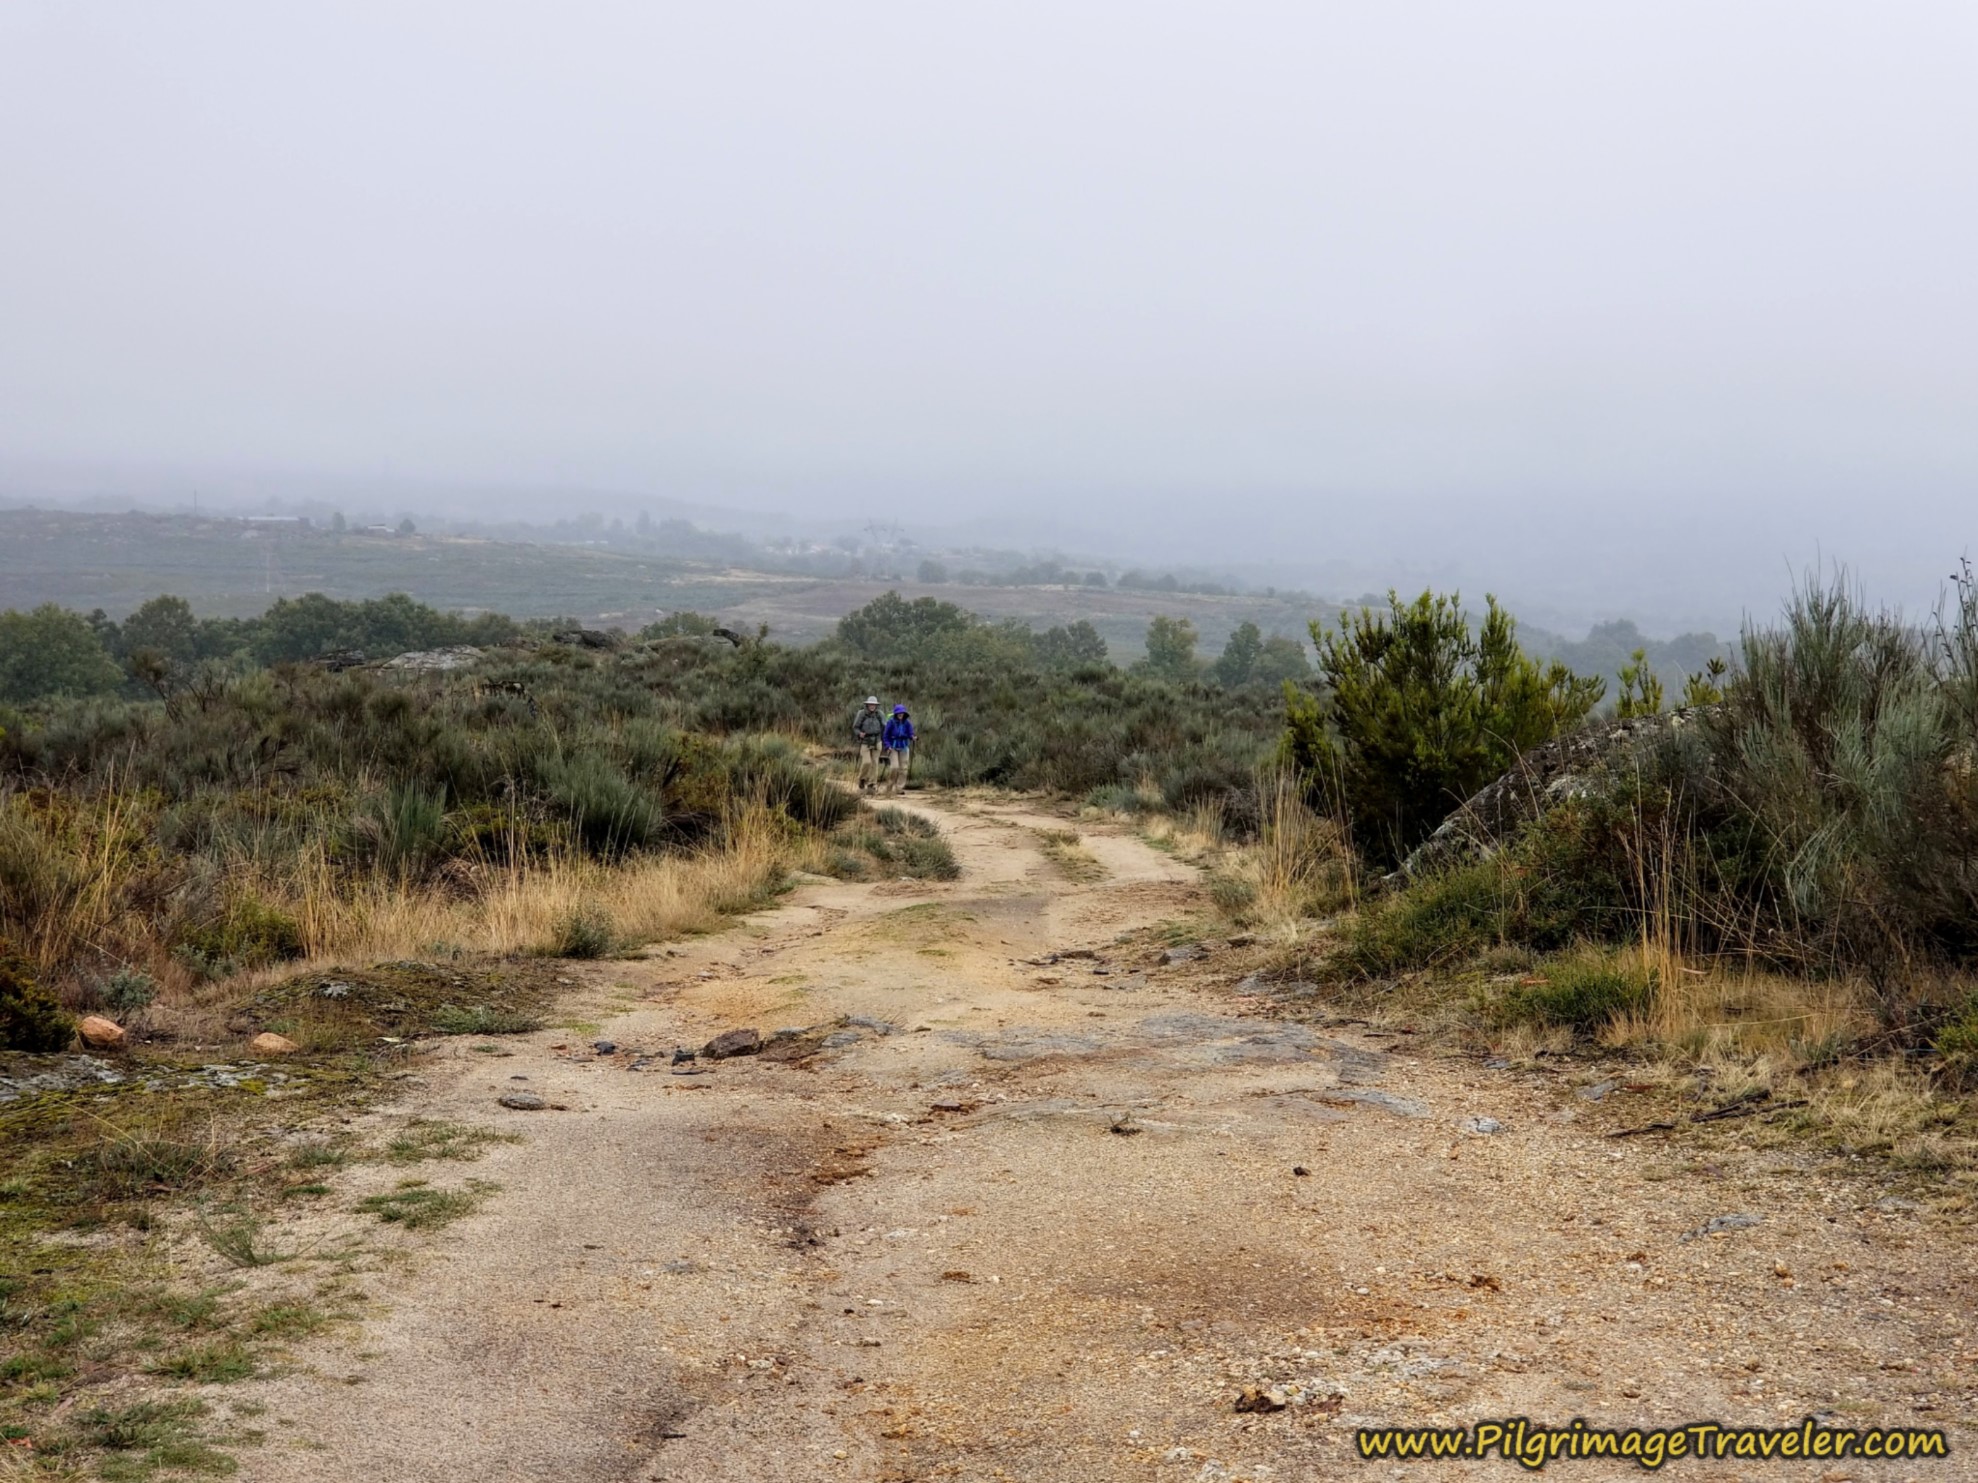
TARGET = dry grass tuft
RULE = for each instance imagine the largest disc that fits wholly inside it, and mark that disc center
(1731, 1011)
(1064, 849)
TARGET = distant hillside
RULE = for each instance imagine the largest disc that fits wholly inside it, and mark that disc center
(234, 567)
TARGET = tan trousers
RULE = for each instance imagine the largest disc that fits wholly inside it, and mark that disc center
(869, 763)
(897, 764)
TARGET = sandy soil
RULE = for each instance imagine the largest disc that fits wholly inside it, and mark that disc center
(1040, 1221)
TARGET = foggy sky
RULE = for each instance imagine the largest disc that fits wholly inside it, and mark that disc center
(1648, 301)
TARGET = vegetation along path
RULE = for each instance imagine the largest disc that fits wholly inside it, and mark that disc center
(1038, 1195)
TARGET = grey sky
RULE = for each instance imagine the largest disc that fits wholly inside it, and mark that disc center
(1381, 283)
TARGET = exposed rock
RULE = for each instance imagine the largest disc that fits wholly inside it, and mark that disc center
(1562, 768)
(522, 1101)
(605, 1047)
(1183, 954)
(733, 1043)
(268, 1043)
(101, 1034)
(588, 638)
(28, 1075)
(1257, 1398)
(1482, 1126)
(435, 661)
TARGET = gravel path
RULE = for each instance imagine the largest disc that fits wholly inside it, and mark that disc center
(1045, 1221)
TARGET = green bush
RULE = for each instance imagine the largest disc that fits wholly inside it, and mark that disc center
(127, 990)
(1419, 713)
(1957, 1043)
(1439, 921)
(30, 1017)
(1581, 992)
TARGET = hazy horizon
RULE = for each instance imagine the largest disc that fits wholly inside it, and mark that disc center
(1629, 310)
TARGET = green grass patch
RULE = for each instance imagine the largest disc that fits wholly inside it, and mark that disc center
(221, 1362)
(421, 1140)
(148, 1437)
(484, 1019)
(329, 1155)
(288, 1321)
(417, 1206)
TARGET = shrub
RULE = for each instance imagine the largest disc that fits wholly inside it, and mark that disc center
(609, 813)
(127, 990)
(30, 1017)
(927, 859)
(772, 771)
(404, 829)
(1581, 992)
(1439, 921)
(1420, 713)
(1957, 1043)
(584, 932)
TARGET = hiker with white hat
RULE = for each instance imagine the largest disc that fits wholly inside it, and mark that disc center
(868, 732)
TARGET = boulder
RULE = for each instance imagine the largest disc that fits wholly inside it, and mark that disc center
(101, 1034)
(733, 1043)
(1565, 767)
(268, 1043)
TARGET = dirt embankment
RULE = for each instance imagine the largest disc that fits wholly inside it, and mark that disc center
(1030, 1203)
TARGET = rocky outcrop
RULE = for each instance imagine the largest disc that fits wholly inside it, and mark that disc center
(588, 638)
(435, 661)
(1565, 767)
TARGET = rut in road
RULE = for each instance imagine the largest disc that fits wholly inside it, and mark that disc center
(1046, 1221)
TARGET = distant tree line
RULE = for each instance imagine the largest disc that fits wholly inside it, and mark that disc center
(52, 652)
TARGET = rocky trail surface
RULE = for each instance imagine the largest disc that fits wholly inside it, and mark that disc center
(1026, 1201)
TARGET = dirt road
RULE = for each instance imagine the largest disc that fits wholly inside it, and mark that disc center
(1046, 1220)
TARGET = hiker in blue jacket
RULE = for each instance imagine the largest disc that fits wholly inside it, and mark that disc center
(898, 742)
